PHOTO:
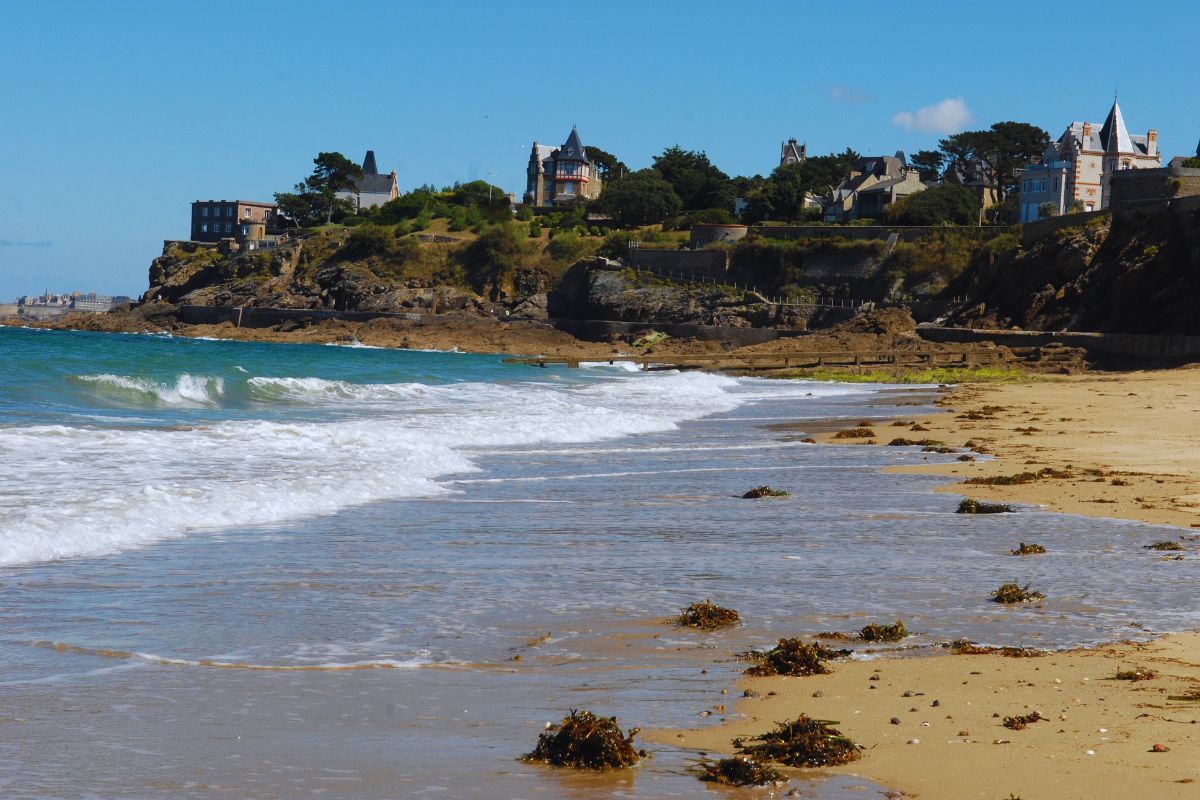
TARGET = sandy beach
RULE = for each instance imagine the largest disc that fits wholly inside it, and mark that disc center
(1130, 444)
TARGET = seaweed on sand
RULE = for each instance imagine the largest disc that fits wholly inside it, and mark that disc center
(1168, 545)
(740, 771)
(1015, 593)
(965, 647)
(585, 741)
(1136, 674)
(855, 433)
(1027, 550)
(764, 491)
(1019, 723)
(803, 742)
(969, 506)
(884, 633)
(900, 441)
(792, 657)
(707, 616)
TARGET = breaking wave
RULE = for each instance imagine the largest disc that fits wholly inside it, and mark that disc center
(187, 391)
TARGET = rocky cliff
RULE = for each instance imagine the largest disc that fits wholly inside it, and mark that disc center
(1139, 273)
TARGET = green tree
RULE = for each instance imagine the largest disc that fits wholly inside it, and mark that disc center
(479, 193)
(782, 196)
(608, 167)
(697, 182)
(317, 194)
(1006, 147)
(928, 163)
(640, 198)
(491, 258)
(948, 204)
(1047, 210)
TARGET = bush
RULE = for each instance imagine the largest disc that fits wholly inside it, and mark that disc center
(367, 240)
(565, 246)
(594, 231)
(458, 220)
(946, 204)
(524, 213)
(535, 230)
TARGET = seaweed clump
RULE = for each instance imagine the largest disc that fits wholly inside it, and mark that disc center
(1168, 545)
(586, 741)
(902, 442)
(707, 616)
(1137, 674)
(803, 742)
(792, 657)
(1015, 593)
(855, 433)
(740, 771)
(884, 633)
(965, 647)
(1027, 550)
(969, 506)
(764, 491)
(1019, 723)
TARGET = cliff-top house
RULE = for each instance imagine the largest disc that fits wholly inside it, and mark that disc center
(874, 183)
(1077, 169)
(240, 220)
(792, 153)
(372, 188)
(560, 176)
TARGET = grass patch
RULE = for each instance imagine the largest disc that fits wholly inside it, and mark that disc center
(792, 657)
(932, 375)
(1015, 593)
(740, 771)
(707, 616)
(764, 491)
(1027, 550)
(803, 742)
(884, 633)
(969, 506)
(586, 741)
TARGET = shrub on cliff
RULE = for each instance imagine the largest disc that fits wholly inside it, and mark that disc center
(366, 241)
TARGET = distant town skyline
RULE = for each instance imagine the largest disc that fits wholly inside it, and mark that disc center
(119, 116)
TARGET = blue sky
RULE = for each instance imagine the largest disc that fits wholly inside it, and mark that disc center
(115, 116)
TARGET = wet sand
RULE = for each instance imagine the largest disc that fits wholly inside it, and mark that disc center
(1131, 443)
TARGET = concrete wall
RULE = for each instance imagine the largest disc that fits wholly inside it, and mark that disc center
(698, 263)
(1143, 347)
(905, 233)
(601, 330)
(707, 234)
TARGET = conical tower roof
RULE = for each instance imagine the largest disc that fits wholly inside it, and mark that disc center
(369, 167)
(1113, 135)
(572, 149)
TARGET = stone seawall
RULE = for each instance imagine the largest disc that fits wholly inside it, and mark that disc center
(594, 330)
(1131, 346)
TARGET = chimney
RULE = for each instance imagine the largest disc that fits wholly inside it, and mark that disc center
(1087, 133)
(804, 151)
(1152, 142)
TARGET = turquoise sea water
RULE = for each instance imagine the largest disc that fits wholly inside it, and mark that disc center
(274, 571)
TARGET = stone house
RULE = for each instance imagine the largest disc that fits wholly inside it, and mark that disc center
(561, 176)
(242, 220)
(372, 189)
(792, 153)
(976, 175)
(874, 183)
(1077, 169)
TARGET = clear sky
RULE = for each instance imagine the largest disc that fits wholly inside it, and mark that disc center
(115, 116)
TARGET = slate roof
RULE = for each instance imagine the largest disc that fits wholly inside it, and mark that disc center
(368, 166)
(1113, 135)
(572, 149)
(375, 184)
(1113, 131)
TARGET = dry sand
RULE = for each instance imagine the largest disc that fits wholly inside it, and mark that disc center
(1132, 443)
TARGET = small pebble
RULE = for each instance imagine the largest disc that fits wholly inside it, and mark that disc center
(936, 703)
(964, 733)
(818, 693)
(907, 694)
(749, 693)
(874, 678)
(1104, 730)
(724, 691)
(914, 741)
(1160, 748)
(924, 724)
(1091, 752)
(895, 720)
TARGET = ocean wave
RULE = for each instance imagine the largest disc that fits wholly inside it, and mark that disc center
(187, 390)
(131, 488)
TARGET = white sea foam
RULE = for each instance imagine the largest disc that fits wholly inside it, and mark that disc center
(186, 391)
(108, 489)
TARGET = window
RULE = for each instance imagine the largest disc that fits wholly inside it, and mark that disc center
(1056, 184)
(245, 230)
(228, 211)
(1044, 184)
(245, 213)
(204, 211)
(204, 227)
(228, 228)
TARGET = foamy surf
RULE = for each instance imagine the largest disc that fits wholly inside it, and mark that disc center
(132, 488)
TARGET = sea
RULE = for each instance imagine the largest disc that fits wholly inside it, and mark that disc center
(259, 570)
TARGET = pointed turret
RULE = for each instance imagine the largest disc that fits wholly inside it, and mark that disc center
(368, 166)
(1113, 136)
(572, 149)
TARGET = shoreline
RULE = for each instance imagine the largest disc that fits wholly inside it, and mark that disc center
(1100, 735)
